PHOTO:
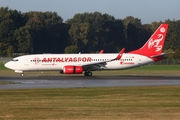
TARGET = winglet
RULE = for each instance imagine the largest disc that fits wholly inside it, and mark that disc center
(101, 52)
(120, 54)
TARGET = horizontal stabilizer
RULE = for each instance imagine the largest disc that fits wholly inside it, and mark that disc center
(162, 54)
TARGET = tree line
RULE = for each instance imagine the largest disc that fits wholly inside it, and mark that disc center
(45, 32)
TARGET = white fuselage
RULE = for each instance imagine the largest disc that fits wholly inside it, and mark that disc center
(42, 62)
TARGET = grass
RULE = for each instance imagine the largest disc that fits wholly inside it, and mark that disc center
(6, 82)
(149, 70)
(131, 103)
(2, 66)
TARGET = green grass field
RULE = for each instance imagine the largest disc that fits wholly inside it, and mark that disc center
(2, 66)
(110, 103)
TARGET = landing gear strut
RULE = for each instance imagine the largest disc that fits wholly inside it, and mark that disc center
(87, 73)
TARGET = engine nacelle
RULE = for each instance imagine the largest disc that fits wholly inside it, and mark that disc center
(72, 70)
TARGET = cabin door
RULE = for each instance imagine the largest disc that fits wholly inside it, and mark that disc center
(139, 61)
(26, 62)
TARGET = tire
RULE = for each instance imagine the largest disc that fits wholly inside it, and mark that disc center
(87, 73)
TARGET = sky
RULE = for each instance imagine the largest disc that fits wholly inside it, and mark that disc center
(146, 10)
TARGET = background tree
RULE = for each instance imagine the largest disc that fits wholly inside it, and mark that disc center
(94, 31)
(49, 34)
(71, 49)
(23, 35)
(3, 50)
(135, 33)
(10, 51)
(45, 32)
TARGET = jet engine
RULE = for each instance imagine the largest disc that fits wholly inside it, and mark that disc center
(72, 70)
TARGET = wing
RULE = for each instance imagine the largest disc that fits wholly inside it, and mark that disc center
(101, 65)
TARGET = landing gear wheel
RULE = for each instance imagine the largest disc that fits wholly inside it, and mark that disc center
(87, 73)
(22, 74)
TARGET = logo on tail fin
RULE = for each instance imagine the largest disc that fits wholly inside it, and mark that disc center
(155, 43)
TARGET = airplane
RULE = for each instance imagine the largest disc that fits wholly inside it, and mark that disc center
(149, 53)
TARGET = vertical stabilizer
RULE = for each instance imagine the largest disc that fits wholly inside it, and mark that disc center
(155, 43)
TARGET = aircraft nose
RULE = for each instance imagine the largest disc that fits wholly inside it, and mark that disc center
(7, 65)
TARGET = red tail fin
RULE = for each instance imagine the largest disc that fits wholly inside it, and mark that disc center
(155, 44)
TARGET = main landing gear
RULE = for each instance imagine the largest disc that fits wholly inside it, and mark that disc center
(87, 73)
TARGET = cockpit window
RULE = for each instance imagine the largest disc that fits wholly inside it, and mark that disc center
(15, 60)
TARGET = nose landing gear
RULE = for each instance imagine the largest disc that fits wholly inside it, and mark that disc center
(22, 74)
(20, 71)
